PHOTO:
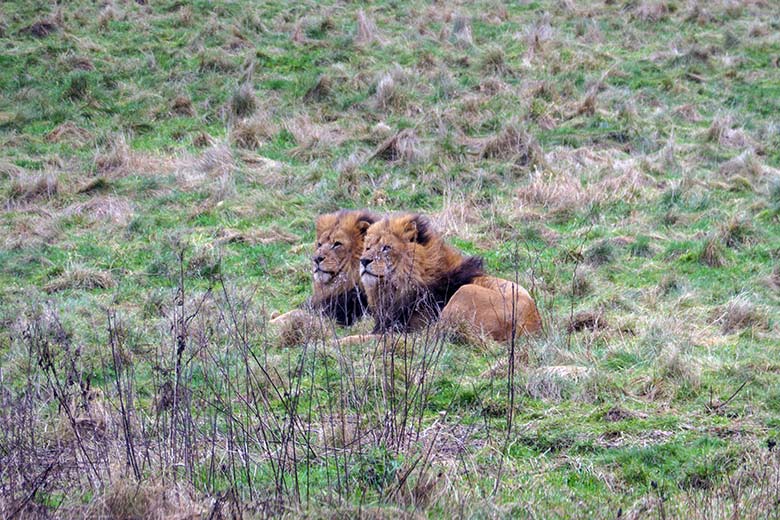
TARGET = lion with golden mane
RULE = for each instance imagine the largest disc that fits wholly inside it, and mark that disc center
(337, 291)
(412, 277)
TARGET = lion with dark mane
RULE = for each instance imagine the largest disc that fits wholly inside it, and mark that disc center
(337, 291)
(412, 278)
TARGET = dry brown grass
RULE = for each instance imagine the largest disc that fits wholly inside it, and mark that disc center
(313, 139)
(404, 146)
(513, 143)
(124, 498)
(367, 31)
(69, 133)
(256, 236)
(582, 178)
(253, 132)
(745, 164)
(713, 253)
(81, 278)
(739, 314)
(182, 106)
(461, 32)
(103, 209)
(26, 188)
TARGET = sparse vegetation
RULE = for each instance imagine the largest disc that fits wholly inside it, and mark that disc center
(161, 166)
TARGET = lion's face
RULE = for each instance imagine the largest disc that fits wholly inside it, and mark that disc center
(388, 253)
(339, 244)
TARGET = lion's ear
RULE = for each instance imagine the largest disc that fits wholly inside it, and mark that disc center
(410, 231)
(362, 226)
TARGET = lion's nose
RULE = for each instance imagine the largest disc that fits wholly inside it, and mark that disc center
(318, 258)
(365, 261)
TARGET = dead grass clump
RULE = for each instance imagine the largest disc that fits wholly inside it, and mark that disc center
(537, 36)
(367, 31)
(116, 210)
(581, 284)
(739, 314)
(124, 498)
(722, 131)
(587, 320)
(218, 165)
(253, 132)
(41, 28)
(313, 139)
(115, 158)
(107, 15)
(461, 32)
(557, 382)
(9, 170)
(256, 236)
(27, 188)
(243, 103)
(513, 143)
(402, 147)
(675, 366)
(182, 106)
(81, 278)
(69, 133)
(745, 164)
(388, 95)
(736, 231)
(216, 61)
(713, 254)
(493, 61)
(600, 253)
(321, 90)
(652, 11)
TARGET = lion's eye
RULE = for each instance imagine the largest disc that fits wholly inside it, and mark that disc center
(336, 244)
(385, 249)
(319, 244)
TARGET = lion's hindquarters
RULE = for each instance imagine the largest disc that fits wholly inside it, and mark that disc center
(494, 307)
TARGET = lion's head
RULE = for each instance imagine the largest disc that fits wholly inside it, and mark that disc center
(336, 263)
(408, 270)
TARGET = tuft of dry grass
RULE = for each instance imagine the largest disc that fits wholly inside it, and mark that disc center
(590, 320)
(253, 132)
(557, 382)
(70, 133)
(124, 498)
(713, 254)
(313, 139)
(367, 31)
(461, 32)
(388, 95)
(652, 10)
(256, 236)
(110, 208)
(404, 146)
(321, 90)
(739, 314)
(243, 102)
(493, 61)
(745, 164)
(81, 278)
(182, 106)
(513, 143)
(27, 188)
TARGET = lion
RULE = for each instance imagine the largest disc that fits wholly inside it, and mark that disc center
(413, 278)
(336, 289)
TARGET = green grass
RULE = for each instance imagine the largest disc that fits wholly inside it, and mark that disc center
(632, 190)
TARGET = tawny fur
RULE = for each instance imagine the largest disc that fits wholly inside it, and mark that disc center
(409, 273)
(404, 258)
(498, 308)
(336, 287)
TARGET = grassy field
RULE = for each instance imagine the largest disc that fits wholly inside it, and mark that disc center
(161, 166)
